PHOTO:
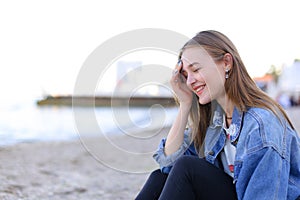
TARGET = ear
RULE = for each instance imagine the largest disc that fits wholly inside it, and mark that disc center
(228, 61)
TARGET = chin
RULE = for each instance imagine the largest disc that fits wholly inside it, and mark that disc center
(204, 101)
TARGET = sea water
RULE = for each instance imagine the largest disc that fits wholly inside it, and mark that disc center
(27, 122)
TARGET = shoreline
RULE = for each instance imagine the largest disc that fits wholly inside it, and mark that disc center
(107, 101)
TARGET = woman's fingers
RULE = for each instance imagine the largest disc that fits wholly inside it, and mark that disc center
(176, 74)
(178, 82)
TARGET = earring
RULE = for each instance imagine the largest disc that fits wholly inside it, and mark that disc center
(227, 73)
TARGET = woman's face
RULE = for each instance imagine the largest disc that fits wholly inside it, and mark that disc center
(204, 77)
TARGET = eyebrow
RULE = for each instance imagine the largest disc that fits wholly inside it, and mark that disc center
(194, 63)
(190, 65)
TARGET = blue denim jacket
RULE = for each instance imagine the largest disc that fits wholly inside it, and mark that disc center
(267, 162)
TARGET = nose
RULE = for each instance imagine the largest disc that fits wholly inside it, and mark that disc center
(190, 79)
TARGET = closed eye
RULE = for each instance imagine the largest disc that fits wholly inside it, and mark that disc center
(194, 67)
(197, 69)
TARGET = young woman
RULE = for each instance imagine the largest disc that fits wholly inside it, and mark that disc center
(229, 140)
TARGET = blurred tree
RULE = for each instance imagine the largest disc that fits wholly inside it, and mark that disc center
(274, 72)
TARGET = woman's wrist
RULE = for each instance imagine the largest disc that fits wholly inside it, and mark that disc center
(185, 107)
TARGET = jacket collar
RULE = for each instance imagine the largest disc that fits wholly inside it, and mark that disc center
(237, 121)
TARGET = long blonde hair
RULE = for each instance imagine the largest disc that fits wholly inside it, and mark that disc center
(239, 87)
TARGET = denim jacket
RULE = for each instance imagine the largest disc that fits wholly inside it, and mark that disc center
(267, 162)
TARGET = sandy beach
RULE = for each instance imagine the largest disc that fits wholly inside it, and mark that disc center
(88, 168)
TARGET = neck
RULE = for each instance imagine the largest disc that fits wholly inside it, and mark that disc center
(227, 106)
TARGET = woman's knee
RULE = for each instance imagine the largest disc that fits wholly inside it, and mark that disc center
(156, 172)
(157, 176)
(185, 162)
(153, 186)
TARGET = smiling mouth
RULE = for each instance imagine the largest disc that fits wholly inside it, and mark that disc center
(199, 89)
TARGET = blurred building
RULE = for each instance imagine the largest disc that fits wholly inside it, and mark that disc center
(136, 79)
(289, 81)
(267, 84)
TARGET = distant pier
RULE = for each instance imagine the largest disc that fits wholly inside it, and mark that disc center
(106, 101)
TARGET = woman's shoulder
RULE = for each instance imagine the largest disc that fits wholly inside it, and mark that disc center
(264, 117)
(260, 111)
(266, 126)
(265, 129)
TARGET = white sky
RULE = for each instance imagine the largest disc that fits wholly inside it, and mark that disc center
(43, 44)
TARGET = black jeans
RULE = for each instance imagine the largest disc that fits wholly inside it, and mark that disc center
(190, 178)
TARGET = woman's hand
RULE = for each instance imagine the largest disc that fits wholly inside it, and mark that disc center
(178, 83)
(185, 96)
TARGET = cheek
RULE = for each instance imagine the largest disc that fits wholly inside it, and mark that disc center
(215, 81)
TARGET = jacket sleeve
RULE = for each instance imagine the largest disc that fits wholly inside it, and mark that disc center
(263, 175)
(166, 162)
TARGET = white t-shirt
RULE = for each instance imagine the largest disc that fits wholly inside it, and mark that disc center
(228, 155)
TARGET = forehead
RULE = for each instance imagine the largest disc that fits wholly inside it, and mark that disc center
(192, 51)
(196, 55)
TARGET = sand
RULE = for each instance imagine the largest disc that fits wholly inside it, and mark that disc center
(91, 168)
(87, 168)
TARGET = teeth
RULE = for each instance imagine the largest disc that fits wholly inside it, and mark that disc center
(199, 88)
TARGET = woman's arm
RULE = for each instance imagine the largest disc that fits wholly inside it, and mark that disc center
(266, 164)
(184, 96)
(175, 136)
(264, 175)
(166, 161)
